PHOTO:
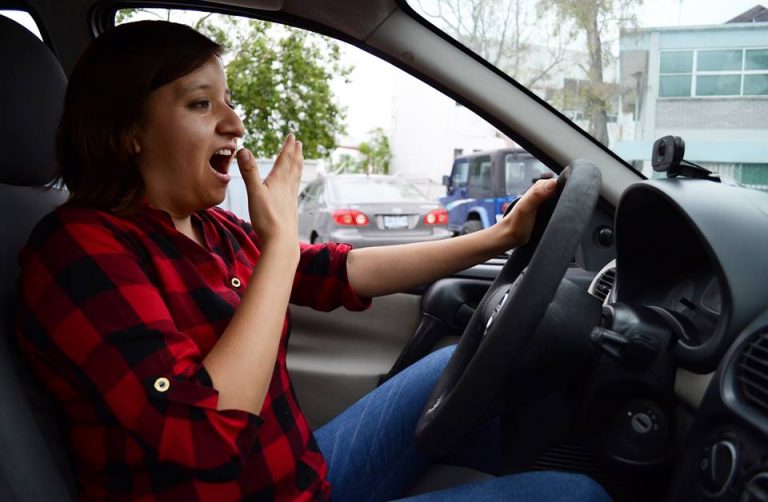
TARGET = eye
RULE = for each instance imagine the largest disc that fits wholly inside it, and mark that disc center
(201, 104)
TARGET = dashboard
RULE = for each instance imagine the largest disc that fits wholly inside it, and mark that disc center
(695, 252)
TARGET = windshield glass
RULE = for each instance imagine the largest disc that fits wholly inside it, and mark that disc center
(630, 72)
(371, 189)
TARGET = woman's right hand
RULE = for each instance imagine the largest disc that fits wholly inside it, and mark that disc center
(273, 203)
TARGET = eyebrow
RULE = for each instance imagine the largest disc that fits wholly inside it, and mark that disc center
(195, 87)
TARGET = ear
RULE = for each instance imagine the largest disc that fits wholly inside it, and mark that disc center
(134, 146)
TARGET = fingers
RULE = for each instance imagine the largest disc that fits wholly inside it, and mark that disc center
(290, 161)
(249, 169)
(538, 193)
(291, 152)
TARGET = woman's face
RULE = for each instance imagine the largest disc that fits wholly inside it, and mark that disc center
(186, 141)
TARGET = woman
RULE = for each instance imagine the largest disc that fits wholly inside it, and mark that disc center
(159, 321)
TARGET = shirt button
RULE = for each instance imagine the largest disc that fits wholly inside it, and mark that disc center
(236, 282)
(162, 384)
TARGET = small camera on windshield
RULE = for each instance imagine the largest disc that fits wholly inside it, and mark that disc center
(668, 153)
(667, 156)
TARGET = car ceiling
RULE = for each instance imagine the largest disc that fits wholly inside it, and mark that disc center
(420, 51)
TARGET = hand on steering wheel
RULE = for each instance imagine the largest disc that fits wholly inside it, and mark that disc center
(507, 316)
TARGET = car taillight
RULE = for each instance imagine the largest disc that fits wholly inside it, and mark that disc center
(436, 217)
(350, 217)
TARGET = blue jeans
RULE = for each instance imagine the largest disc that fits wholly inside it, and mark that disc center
(371, 454)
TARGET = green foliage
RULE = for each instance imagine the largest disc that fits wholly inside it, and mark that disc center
(347, 164)
(280, 79)
(375, 156)
(376, 152)
(281, 84)
(594, 20)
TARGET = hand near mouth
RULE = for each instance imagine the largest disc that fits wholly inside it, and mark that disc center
(272, 203)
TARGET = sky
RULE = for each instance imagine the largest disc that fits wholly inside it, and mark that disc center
(692, 12)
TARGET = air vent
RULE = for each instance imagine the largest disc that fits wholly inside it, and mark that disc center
(752, 373)
(604, 283)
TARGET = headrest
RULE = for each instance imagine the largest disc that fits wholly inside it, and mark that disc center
(31, 99)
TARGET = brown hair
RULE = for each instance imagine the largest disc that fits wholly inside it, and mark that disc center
(105, 99)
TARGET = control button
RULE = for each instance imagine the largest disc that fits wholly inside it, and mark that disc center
(162, 384)
(756, 489)
(641, 423)
(717, 467)
(236, 282)
(640, 431)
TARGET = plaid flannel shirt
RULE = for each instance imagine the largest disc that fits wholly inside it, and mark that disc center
(116, 316)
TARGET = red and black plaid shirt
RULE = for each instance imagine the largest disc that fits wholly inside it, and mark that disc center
(117, 314)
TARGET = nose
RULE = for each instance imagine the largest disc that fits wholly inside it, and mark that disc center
(230, 123)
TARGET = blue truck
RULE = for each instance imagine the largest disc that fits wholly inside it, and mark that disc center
(483, 184)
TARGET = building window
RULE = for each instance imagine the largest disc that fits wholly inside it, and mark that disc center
(722, 72)
(676, 70)
(747, 175)
(756, 72)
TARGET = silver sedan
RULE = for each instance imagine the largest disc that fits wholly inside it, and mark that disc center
(368, 210)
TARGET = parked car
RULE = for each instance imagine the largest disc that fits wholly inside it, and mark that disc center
(656, 385)
(368, 210)
(483, 184)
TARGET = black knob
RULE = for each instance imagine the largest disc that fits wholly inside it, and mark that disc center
(640, 431)
(717, 467)
(604, 236)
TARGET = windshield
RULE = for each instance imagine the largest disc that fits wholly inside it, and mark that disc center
(372, 189)
(630, 72)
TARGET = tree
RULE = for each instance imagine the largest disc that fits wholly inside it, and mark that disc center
(280, 78)
(594, 19)
(347, 164)
(281, 81)
(375, 156)
(503, 32)
(376, 153)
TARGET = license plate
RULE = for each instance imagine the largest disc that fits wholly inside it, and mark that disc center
(395, 222)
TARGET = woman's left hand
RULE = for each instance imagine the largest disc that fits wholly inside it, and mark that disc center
(515, 228)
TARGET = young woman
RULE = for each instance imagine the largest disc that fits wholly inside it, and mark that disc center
(159, 321)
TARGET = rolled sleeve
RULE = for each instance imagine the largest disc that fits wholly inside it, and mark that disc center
(321, 280)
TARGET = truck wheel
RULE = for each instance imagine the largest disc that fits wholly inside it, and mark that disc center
(471, 226)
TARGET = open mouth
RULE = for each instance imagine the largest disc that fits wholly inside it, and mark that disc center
(220, 160)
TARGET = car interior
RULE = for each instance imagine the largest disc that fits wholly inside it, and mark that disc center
(627, 341)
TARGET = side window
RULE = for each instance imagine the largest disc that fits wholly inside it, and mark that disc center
(514, 175)
(320, 195)
(304, 196)
(309, 195)
(24, 19)
(480, 176)
(353, 112)
(460, 173)
(536, 170)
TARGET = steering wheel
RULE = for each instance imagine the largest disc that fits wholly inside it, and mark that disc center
(500, 331)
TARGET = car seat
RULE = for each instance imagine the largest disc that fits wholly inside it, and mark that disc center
(34, 465)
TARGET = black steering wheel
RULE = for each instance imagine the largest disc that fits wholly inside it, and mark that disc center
(500, 331)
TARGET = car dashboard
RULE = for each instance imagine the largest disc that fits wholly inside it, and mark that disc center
(694, 252)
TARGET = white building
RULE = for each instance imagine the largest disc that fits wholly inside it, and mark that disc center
(429, 129)
(707, 84)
